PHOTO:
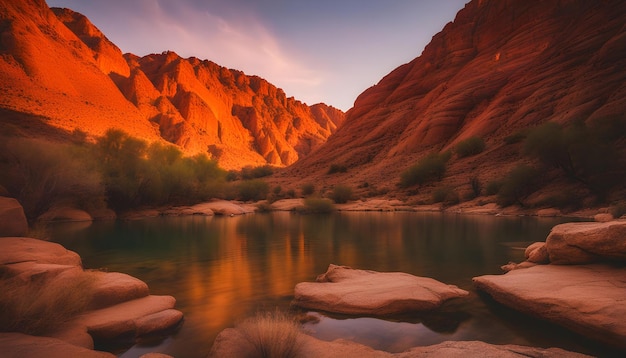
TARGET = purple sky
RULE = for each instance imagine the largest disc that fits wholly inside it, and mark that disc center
(315, 50)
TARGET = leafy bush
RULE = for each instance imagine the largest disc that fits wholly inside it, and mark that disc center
(307, 189)
(470, 146)
(431, 167)
(586, 154)
(252, 190)
(315, 205)
(262, 171)
(337, 168)
(493, 187)
(446, 195)
(272, 334)
(40, 174)
(341, 194)
(520, 182)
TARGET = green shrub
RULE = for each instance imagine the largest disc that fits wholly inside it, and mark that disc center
(272, 334)
(41, 173)
(341, 194)
(252, 190)
(446, 195)
(470, 146)
(307, 189)
(315, 205)
(337, 168)
(262, 171)
(264, 206)
(430, 168)
(493, 187)
(520, 182)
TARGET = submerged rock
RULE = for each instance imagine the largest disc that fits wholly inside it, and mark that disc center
(589, 299)
(345, 290)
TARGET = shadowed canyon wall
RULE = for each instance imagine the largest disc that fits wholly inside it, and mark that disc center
(501, 67)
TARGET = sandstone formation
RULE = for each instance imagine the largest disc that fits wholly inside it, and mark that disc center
(232, 343)
(12, 218)
(501, 67)
(582, 243)
(59, 69)
(119, 307)
(345, 290)
(588, 299)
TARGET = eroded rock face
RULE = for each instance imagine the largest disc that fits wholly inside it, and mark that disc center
(58, 65)
(12, 218)
(582, 243)
(500, 67)
(345, 290)
(588, 299)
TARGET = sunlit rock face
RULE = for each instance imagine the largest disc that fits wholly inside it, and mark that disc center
(500, 67)
(57, 64)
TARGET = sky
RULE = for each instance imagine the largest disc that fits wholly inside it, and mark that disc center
(315, 50)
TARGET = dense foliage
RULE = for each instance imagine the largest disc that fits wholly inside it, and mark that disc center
(430, 168)
(470, 146)
(117, 171)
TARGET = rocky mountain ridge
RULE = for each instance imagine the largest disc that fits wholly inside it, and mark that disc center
(57, 65)
(500, 68)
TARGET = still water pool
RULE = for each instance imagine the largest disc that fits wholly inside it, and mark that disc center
(224, 269)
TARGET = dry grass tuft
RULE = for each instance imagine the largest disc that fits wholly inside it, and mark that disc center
(36, 306)
(272, 334)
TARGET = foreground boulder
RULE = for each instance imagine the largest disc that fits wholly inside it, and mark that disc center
(589, 299)
(587, 242)
(345, 290)
(12, 219)
(105, 306)
(232, 342)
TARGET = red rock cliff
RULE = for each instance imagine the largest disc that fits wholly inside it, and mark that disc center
(58, 65)
(501, 66)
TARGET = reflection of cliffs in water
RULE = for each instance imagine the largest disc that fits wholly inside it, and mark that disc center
(223, 269)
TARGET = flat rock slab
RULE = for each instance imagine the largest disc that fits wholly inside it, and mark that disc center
(345, 290)
(589, 299)
(225, 207)
(129, 318)
(18, 345)
(116, 287)
(23, 249)
(232, 343)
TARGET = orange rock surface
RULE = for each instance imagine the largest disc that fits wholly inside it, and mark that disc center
(57, 65)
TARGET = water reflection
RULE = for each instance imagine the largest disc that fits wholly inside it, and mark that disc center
(223, 269)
